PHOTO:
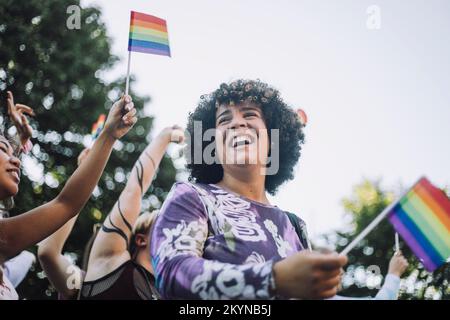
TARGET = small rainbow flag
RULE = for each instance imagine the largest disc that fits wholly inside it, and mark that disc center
(148, 34)
(98, 126)
(422, 218)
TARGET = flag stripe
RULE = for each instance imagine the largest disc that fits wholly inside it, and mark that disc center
(149, 25)
(438, 195)
(422, 218)
(156, 33)
(430, 216)
(433, 204)
(150, 50)
(148, 44)
(413, 241)
(148, 34)
(147, 18)
(417, 234)
(427, 223)
(146, 37)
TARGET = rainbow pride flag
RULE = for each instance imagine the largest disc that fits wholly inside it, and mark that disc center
(148, 34)
(98, 126)
(422, 218)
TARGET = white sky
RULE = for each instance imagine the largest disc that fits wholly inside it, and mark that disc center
(378, 101)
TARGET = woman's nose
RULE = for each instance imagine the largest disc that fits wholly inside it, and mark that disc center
(14, 160)
(237, 122)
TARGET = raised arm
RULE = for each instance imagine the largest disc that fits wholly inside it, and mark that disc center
(397, 266)
(22, 231)
(110, 246)
(57, 267)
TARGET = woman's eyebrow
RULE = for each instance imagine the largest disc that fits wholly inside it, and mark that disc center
(225, 112)
(251, 109)
(6, 145)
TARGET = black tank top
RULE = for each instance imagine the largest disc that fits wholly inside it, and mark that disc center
(130, 281)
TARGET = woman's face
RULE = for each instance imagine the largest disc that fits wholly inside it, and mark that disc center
(241, 136)
(9, 170)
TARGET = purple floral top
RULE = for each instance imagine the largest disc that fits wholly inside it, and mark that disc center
(208, 243)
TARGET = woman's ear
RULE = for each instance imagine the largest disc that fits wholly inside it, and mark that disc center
(141, 240)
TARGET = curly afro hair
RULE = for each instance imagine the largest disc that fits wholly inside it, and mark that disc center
(277, 115)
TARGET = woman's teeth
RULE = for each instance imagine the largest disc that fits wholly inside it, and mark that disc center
(240, 141)
(15, 174)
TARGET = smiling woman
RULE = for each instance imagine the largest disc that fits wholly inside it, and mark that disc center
(220, 237)
(259, 103)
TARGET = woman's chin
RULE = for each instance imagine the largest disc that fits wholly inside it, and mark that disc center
(9, 191)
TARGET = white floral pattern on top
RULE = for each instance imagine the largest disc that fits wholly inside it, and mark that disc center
(183, 239)
(230, 213)
(283, 246)
(255, 257)
(227, 281)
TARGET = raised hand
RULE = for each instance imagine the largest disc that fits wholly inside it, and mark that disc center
(173, 134)
(121, 118)
(398, 264)
(17, 113)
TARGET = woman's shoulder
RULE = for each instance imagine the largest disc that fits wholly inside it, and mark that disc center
(185, 195)
(188, 188)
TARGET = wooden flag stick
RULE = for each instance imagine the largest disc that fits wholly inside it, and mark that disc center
(374, 222)
(369, 228)
(127, 85)
(397, 244)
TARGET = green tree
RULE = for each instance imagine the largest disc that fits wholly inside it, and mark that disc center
(58, 72)
(372, 255)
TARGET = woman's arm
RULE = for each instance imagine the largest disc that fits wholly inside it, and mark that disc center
(56, 266)
(391, 286)
(110, 247)
(22, 231)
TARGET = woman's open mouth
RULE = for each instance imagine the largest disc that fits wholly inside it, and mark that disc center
(241, 140)
(15, 173)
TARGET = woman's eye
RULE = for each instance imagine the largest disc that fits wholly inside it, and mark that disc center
(250, 114)
(222, 120)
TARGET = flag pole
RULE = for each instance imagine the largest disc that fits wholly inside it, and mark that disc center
(375, 222)
(369, 228)
(397, 244)
(127, 85)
